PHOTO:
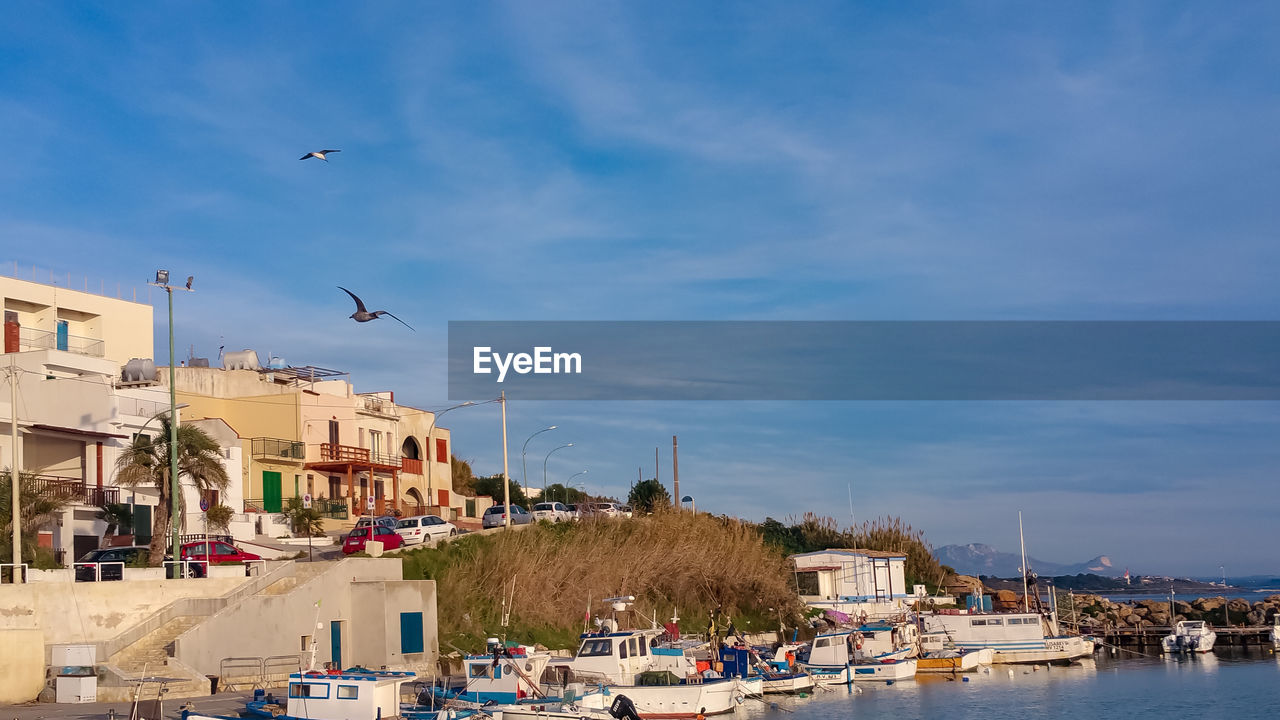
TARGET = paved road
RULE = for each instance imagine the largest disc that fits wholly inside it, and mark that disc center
(226, 704)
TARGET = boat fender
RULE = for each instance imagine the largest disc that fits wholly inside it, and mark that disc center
(858, 641)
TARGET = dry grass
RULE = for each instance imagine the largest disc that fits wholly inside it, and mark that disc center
(667, 561)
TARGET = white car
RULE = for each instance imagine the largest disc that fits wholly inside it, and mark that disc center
(605, 509)
(552, 511)
(420, 528)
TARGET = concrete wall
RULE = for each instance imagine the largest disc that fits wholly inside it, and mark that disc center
(367, 593)
(91, 612)
(21, 664)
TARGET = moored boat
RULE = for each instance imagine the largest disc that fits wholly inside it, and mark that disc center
(835, 659)
(1013, 637)
(1189, 636)
(954, 661)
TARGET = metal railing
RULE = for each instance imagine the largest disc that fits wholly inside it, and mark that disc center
(186, 568)
(379, 406)
(33, 339)
(97, 569)
(278, 448)
(201, 537)
(333, 509)
(77, 491)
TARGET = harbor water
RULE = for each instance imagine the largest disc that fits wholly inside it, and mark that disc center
(1223, 685)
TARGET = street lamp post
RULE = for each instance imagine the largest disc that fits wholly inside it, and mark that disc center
(431, 442)
(162, 280)
(524, 467)
(544, 465)
(569, 483)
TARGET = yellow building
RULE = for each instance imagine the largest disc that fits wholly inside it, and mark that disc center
(49, 317)
(307, 432)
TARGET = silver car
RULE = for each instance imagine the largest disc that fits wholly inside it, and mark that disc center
(496, 516)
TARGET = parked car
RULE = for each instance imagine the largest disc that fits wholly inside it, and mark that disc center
(624, 511)
(552, 511)
(420, 528)
(496, 516)
(219, 552)
(109, 556)
(385, 521)
(573, 511)
(356, 539)
(605, 509)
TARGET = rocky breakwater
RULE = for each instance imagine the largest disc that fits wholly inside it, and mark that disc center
(1217, 611)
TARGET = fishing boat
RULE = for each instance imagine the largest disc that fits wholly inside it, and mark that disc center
(336, 695)
(1189, 636)
(835, 659)
(779, 674)
(1012, 637)
(660, 681)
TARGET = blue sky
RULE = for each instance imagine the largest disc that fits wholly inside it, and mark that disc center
(706, 161)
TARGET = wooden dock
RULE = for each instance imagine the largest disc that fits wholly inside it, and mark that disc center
(1151, 636)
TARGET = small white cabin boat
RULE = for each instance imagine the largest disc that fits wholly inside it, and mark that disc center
(834, 659)
(1189, 636)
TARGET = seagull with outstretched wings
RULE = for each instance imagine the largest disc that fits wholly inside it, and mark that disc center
(319, 154)
(363, 315)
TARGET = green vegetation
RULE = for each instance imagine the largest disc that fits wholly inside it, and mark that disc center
(38, 504)
(649, 496)
(492, 487)
(671, 562)
(303, 521)
(218, 517)
(118, 516)
(567, 495)
(146, 462)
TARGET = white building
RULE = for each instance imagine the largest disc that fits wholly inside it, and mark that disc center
(855, 581)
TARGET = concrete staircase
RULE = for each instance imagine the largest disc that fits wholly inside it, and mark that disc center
(152, 655)
(302, 572)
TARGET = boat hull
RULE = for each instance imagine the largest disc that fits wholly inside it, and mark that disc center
(1059, 649)
(788, 683)
(828, 674)
(885, 671)
(968, 661)
(683, 701)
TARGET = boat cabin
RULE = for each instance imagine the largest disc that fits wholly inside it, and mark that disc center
(512, 676)
(830, 649)
(620, 657)
(347, 695)
(1002, 631)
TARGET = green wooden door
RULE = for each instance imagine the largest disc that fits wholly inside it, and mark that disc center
(271, 491)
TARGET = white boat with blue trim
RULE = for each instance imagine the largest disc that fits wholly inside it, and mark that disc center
(1014, 637)
(835, 659)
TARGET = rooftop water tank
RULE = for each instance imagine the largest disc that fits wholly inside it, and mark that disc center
(138, 370)
(277, 363)
(243, 360)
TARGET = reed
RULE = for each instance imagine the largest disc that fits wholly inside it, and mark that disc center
(670, 562)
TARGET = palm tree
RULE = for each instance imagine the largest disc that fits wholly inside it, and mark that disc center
(38, 505)
(118, 516)
(146, 462)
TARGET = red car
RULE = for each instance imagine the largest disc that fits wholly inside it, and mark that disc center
(357, 538)
(219, 552)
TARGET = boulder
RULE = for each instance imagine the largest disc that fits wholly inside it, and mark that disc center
(1159, 618)
(1239, 606)
(1208, 604)
(1132, 620)
(1255, 618)
(1142, 611)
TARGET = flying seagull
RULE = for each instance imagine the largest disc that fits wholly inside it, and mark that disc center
(363, 315)
(318, 154)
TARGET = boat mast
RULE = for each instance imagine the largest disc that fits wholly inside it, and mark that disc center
(1025, 605)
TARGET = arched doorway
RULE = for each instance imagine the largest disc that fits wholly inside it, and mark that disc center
(410, 449)
(414, 504)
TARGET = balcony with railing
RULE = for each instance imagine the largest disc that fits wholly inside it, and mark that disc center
(374, 405)
(33, 339)
(76, 491)
(331, 453)
(268, 448)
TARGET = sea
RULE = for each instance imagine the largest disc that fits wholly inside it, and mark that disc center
(1228, 683)
(1251, 589)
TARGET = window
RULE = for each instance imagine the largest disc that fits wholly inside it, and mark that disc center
(807, 582)
(308, 690)
(644, 648)
(821, 642)
(348, 692)
(408, 523)
(977, 622)
(411, 640)
(622, 649)
(480, 670)
(442, 450)
(995, 621)
(596, 648)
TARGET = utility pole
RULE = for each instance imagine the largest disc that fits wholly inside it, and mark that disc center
(506, 479)
(675, 468)
(15, 466)
(656, 474)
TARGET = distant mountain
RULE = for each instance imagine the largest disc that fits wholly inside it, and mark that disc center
(979, 559)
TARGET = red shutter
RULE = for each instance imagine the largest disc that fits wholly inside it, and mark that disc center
(442, 450)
